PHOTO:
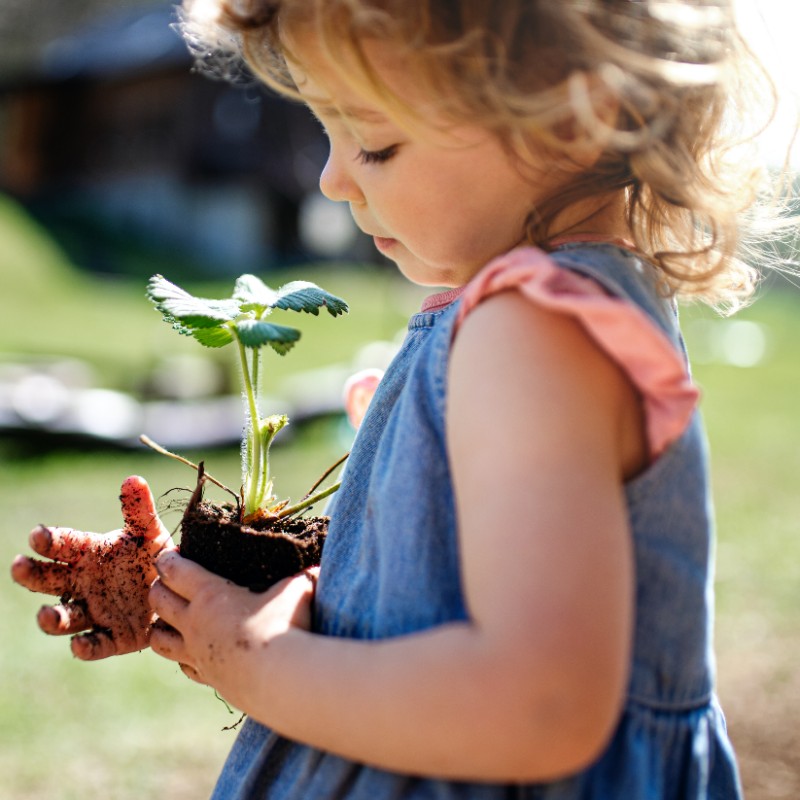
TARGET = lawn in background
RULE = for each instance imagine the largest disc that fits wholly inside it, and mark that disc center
(748, 368)
(135, 727)
(124, 728)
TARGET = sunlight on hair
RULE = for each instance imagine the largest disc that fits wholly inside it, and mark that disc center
(770, 28)
(204, 11)
(698, 17)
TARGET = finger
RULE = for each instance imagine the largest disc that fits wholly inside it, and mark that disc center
(64, 618)
(41, 577)
(93, 646)
(192, 673)
(139, 510)
(165, 641)
(182, 576)
(60, 544)
(169, 606)
(312, 573)
(306, 585)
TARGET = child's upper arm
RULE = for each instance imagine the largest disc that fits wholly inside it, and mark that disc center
(542, 429)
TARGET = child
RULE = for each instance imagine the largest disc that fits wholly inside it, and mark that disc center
(515, 598)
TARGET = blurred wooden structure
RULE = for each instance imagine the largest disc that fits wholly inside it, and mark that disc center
(113, 141)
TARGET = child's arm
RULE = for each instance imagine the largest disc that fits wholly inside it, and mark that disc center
(542, 428)
(102, 579)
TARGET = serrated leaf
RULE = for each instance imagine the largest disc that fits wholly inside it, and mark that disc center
(308, 297)
(176, 326)
(255, 333)
(213, 337)
(253, 294)
(281, 348)
(177, 305)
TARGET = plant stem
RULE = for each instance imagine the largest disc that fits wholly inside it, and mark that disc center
(308, 501)
(263, 467)
(146, 440)
(325, 474)
(253, 457)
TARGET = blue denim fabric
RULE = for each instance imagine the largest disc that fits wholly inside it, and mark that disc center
(391, 567)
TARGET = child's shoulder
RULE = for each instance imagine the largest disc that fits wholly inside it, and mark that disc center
(610, 296)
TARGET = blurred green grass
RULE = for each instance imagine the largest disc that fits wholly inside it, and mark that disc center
(124, 728)
(49, 307)
(135, 726)
(753, 424)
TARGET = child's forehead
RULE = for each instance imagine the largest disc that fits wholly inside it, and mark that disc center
(332, 99)
(329, 94)
(358, 113)
(341, 85)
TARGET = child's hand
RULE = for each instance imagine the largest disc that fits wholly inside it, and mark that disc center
(358, 392)
(215, 626)
(102, 579)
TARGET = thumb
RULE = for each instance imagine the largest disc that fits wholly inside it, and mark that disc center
(139, 513)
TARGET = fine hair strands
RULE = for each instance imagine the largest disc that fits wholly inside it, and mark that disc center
(667, 93)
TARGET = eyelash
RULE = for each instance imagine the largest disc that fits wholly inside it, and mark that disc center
(376, 156)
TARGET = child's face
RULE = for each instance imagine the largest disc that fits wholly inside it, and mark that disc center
(440, 205)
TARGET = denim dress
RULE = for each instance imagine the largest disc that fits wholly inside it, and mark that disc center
(391, 567)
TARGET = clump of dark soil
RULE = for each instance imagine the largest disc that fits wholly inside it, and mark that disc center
(255, 554)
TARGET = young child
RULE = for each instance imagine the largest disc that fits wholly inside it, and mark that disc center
(516, 594)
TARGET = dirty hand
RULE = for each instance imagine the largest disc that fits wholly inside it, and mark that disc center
(212, 627)
(102, 579)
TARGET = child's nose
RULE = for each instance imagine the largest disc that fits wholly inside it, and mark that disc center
(336, 183)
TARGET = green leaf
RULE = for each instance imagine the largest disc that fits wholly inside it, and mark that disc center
(255, 333)
(190, 312)
(271, 425)
(307, 296)
(281, 348)
(253, 294)
(213, 337)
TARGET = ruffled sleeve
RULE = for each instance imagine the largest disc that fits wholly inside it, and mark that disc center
(621, 329)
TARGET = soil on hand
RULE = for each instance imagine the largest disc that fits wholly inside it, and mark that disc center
(257, 555)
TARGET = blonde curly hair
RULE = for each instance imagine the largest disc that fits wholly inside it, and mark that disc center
(677, 72)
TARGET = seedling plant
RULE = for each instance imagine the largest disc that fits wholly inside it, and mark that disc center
(242, 320)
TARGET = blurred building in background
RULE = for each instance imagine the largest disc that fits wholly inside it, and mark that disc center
(109, 137)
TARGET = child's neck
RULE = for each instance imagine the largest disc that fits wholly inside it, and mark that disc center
(596, 218)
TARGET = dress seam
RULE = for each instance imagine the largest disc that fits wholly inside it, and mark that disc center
(697, 704)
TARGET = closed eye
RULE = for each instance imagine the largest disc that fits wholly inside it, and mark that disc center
(377, 156)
